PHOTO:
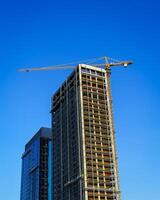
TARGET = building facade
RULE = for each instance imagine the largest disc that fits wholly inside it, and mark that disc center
(36, 167)
(84, 154)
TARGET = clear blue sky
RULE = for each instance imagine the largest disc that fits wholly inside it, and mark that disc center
(42, 33)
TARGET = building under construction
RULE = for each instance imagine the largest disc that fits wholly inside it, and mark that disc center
(84, 164)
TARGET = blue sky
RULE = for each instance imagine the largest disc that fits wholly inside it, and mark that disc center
(43, 33)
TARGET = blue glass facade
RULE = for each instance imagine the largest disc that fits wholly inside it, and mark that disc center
(35, 170)
(50, 171)
(30, 172)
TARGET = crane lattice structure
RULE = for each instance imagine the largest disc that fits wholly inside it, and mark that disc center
(103, 62)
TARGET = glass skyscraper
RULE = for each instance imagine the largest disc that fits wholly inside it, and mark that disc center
(36, 167)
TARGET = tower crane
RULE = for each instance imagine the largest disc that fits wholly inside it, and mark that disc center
(104, 63)
(96, 62)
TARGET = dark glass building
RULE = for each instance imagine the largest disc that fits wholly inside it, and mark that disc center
(36, 167)
(84, 151)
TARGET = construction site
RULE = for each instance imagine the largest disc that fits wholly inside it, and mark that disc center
(84, 157)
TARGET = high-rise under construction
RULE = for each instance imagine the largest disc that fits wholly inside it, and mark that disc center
(84, 165)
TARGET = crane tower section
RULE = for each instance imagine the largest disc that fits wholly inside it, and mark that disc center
(84, 161)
